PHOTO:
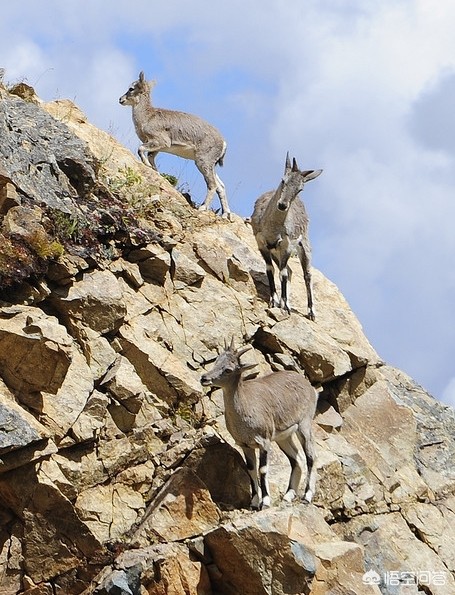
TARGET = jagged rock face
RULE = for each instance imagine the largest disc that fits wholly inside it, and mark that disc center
(117, 474)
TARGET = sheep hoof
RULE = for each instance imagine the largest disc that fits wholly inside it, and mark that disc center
(255, 503)
(285, 306)
(265, 503)
(274, 302)
(309, 496)
(289, 496)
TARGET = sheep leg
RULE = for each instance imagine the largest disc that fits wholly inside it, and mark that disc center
(252, 467)
(210, 177)
(285, 276)
(147, 153)
(304, 254)
(295, 456)
(305, 435)
(270, 277)
(208, 198)
(221, 191)
(263, 476)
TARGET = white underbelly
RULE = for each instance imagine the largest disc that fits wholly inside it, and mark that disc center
(185, 151)
(285, 433)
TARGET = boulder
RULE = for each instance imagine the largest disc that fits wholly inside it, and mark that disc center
(185, 271)
(160, 370)
(109, 510)
(386, 445)
(320, 357)
(252, 556)
(432, 525)
(95, 302)
(46, 162)
(181, 509)
(161, 570)
(35, 350)
(397, 556)
(22, 438)
(124, 384)
(287, 550)
(55, 541)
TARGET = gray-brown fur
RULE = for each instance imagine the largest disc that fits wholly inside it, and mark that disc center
(280, 226)
(277, 408)
(177, 133)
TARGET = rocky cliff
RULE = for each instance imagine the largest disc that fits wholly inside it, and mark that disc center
(117, 475)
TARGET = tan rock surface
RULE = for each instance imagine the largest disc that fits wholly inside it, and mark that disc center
(117, 474)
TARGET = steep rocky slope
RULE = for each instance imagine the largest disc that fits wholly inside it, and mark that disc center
(116, 472)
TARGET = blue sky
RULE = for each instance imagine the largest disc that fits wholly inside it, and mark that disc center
(363, 90)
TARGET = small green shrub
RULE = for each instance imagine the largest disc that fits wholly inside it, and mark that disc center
(66, 226)
(173, 180)
(126, 179)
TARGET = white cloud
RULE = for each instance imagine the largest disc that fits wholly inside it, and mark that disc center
(23, 57)
(383, 210)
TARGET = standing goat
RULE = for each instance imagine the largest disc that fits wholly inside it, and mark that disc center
(277, 408)
(177, 133)
(280, 225)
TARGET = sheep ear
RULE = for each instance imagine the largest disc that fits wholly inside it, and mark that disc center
(311, 174)
(287, 165)
(141, 77)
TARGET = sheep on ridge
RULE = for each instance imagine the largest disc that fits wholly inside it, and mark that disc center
(280, 225)
(178, 133)
(278, 407)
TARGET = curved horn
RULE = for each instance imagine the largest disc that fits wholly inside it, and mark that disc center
(231, 346)
(295, 167)
(246, 367)
(243, 350)
(288, 163)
